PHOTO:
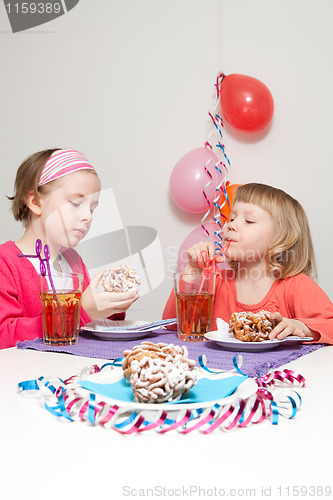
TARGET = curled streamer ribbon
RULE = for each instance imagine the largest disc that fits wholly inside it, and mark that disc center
(274, 397)
(222, 168)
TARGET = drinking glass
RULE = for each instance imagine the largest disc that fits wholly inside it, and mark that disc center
(194, 301)
(61, 307)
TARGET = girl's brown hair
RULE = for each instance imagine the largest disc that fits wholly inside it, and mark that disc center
(291, 251)
(27, 180)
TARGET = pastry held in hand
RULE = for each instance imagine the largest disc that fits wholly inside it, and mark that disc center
(251, 327)
(159, 372)
(120, 279)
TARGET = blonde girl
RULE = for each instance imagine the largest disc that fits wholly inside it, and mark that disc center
(271, 257)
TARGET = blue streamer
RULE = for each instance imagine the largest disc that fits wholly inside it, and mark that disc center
(60, 392)
(203, 365)
(275, 416)
(115, 362)
(294, 407)
(29, 385)
(127, 420)
(55, 410)
(169, 421)
(221, 146)
(60, 409)
(235, 363)
(91, 408)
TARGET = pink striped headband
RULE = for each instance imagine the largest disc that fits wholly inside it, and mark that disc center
(63, 162)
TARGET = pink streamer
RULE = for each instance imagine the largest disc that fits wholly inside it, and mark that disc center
(201, 422)
(245, 412)
(160, 421)
(176, 424)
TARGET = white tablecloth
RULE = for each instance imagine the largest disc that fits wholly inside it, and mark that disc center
(45, 457)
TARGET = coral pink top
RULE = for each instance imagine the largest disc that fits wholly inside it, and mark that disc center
(20, 305)
(298, 297)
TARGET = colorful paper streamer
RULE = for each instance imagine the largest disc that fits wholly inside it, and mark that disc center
(275, 397)
(222, 167)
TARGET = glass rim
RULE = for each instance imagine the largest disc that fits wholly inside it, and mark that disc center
(60, 274)
(199, 272)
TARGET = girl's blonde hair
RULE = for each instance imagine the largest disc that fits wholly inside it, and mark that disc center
(291, 251)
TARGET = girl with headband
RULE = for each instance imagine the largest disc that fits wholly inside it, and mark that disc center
(56, 193)
(269, 250)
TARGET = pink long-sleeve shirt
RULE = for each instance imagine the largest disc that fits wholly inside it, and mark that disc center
(298, 297)
(20, 304)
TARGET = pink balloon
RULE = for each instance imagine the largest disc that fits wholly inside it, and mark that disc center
(189, 178)
(197, 235)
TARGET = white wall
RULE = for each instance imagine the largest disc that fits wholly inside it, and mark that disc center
(289, 46)
(129, 84)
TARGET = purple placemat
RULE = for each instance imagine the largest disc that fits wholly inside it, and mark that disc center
(90, 346)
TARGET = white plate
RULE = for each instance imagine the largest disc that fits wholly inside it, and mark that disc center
(107, 329)
(232, 344)
(244, 391)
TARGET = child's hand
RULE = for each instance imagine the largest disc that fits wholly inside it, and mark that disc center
(99, 305)
(287, 326)
(193, 255)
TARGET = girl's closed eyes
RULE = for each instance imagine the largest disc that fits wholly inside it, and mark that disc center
(74, 204)
(59, 212)
(80, 200)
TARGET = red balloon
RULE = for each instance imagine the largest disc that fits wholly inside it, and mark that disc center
(246, 103)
